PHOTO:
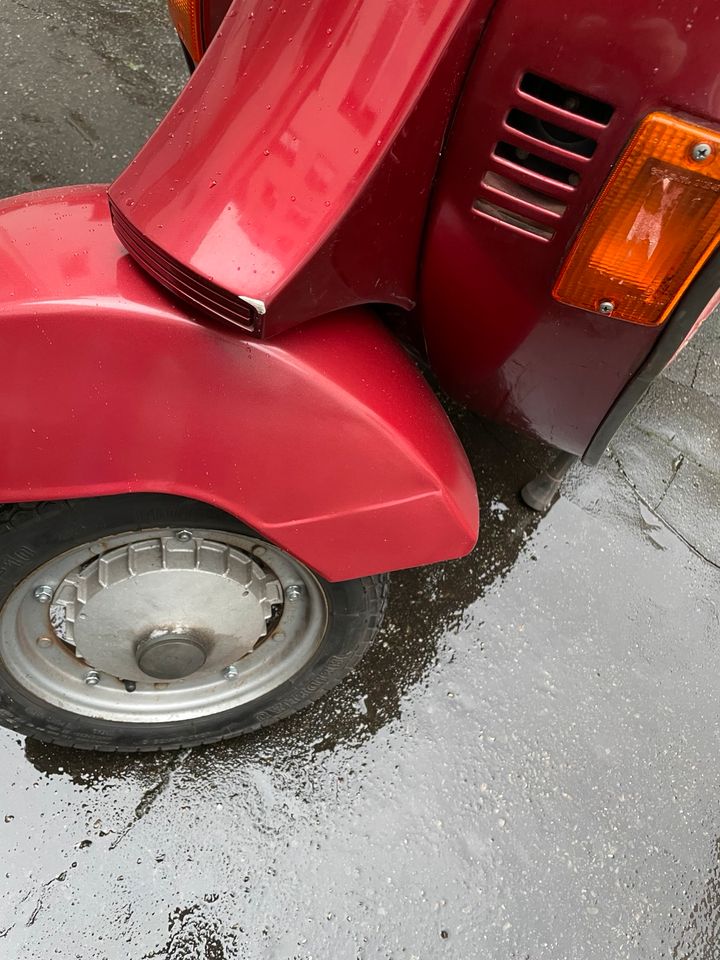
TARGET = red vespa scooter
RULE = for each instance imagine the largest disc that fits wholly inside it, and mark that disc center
(213, 447)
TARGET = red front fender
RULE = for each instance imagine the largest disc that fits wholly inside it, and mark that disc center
(326, 439)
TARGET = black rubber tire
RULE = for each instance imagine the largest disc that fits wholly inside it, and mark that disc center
(33, 534)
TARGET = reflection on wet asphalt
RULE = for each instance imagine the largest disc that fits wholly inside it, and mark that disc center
(524, 766)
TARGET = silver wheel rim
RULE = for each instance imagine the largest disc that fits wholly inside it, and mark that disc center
(234, 615)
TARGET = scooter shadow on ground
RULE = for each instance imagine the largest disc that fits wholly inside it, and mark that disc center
(426, 603)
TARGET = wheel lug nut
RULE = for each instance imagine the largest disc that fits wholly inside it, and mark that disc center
(92, 677)
(43, 593)
(183, 536)
(294, 592)
(230, 672)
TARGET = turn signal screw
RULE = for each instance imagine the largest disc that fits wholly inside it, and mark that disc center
(294, 592)
(43, 594)
(92, 677)
(606, 307)
(701, 152)
(230, 672)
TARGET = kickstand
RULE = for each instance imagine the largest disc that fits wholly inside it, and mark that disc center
(539, 493)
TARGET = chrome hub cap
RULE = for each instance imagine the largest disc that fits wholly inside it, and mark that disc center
(162, 625)
(173, 605)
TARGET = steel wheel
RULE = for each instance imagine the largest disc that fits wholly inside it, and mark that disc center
(166, 634)
(161, 625)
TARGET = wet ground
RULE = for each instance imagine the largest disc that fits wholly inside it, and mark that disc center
(525, 766)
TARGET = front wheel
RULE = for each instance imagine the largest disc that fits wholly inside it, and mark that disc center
(149, 622)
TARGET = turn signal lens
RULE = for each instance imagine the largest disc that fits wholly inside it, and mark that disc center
(653, 227)
(186, 17)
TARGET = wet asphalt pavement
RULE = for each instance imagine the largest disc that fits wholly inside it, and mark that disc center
(525, 766)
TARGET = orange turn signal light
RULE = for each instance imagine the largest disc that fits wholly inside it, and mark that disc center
(186, 17)
(654, 225)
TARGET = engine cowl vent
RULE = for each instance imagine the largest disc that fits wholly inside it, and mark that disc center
(568, 101)
(550, 134)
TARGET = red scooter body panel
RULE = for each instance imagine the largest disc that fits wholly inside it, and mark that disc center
(497, 339)
(292, 176)
(326, 439)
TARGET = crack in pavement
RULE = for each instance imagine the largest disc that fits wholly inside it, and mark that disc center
(696, 370)
(677, 463)
(41, 899)
(653, 510)
(151, 794)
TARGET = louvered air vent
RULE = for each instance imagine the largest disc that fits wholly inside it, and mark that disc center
(549, 136)
(539, 88)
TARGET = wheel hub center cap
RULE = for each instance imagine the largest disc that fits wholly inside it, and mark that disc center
(170, 656)
(165, 608)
